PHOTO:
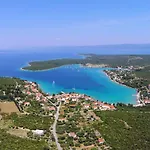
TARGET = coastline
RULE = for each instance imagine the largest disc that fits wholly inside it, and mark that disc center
(45, 69)
(116, 81)
(137, 95)
(80, 65)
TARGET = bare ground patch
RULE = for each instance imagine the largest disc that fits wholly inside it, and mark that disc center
(8, 107)
(19, 132)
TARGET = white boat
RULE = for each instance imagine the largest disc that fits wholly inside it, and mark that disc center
(74, 88)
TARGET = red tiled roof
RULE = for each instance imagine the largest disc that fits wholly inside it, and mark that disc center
(101, 140)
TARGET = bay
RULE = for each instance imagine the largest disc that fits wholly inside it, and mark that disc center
(70, 78)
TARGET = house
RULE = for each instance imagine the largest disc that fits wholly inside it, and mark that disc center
(105, 107)
(38, 132)
(62, 119)
(66, 101)
(50, 97)
(26, 86)
(42, 104)
(95, 107)
(63, 99)
(72, 134)
(95, 103)
(74, 100)
(146, 101)
(86, 106)
(100, 103)
(29, 93)
(101, 140)
(51, 108)
(26, 104)
(108, 107)
(112, 107)
(72, 105)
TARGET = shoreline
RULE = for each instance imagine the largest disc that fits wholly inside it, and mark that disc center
(80, 65)
(116, 81)
(45, 69)
(137, 95)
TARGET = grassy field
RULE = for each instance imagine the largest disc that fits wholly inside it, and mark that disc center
(18, 132)
(8, 107)
(5, 124)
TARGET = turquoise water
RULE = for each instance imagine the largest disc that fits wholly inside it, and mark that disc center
(90, 81)
(72, 78)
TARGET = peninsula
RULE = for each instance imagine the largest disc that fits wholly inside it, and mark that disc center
(92, 59)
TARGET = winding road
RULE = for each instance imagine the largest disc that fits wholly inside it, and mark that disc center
(54, 128)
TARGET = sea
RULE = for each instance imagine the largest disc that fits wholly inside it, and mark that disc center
(71, 78)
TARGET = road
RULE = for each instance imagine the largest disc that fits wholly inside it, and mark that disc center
(54, 128)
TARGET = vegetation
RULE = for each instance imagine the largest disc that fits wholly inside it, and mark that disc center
(78, 121)
(11, 88)
(126, 128)
(9, 142)
(16, 128)
(31, 121)
(143, 73)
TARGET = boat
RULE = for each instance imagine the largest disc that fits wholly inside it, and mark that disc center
(74, 88)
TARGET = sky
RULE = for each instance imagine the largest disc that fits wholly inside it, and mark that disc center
(37, 23)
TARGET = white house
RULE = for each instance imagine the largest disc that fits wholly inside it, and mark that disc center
(38, 132)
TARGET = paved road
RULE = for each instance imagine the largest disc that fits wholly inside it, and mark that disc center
(54, 127)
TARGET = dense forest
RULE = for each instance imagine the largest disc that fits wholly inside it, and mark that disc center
(128, 128)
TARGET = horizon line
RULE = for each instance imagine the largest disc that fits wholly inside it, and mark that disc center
(33, 47)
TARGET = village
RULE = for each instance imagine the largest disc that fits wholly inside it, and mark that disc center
(73, 101)
(128, 78)
(95, 65)
(63, 120)
(56, 121)
(39, 115)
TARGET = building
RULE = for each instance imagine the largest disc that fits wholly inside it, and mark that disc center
(101, 140)
(72, 134)
(146, 101)
(27, 104)
(38, 132)
(86, 106)
(52, 108)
